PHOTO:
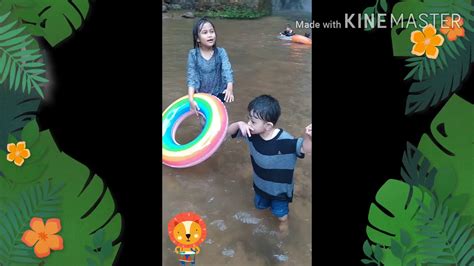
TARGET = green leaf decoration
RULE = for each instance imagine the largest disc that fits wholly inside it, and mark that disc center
(18, 63)
(87, 205)
(396, 249)
(384, 5)
(412, 263)
(439, 87)
(38, 200)
(55, 20)
(449, 147)
(17, 109)
(103, 249)
(397, 219)
(420, 72)
(401, 33)
(369, 11)
(445, 241)
(367, 249)
(416, 169)
(405, 238)
(413, 71)
(378, 253)
(429, 66)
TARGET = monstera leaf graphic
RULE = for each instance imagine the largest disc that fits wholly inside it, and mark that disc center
(87, 207)
(393, 219)
(55, 20)
(449, 146)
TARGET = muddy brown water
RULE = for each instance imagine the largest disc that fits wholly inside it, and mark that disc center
(220, 189)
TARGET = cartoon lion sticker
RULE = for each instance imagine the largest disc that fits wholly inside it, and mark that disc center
(187, 231)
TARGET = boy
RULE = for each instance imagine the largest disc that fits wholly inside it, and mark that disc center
(273, 153)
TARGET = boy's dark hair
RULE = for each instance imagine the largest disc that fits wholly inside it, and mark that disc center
(198, 27)
(265, 107)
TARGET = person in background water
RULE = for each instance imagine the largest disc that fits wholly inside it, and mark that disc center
(273, 153)
(288, 31)
(209, 69)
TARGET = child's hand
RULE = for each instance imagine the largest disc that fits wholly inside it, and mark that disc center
(309, 130)
(229, 94)
(245, 129)
(194, 107)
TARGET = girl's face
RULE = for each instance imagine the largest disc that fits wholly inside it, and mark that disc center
(207, 35)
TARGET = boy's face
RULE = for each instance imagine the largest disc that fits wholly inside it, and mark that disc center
(207, 35)
(259, 126)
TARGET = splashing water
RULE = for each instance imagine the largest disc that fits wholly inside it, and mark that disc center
(246, 218)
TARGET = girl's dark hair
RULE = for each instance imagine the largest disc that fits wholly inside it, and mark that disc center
(265, 107)
(197, 28)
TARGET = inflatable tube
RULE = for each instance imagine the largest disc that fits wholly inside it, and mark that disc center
(206, 143)
(301, 39)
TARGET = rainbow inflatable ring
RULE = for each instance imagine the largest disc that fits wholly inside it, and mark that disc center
(203, 146)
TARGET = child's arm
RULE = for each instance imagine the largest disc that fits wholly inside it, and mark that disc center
(227, 72)
(229, 92)
(242, 126)
(192, 103)
(307, 140)
(193, 80)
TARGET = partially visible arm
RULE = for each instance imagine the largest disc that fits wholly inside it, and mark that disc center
(191, 91)
(193, 80)
(228, 77)
(307, 140)
(192, 72)
(242, 126)
(227, 71)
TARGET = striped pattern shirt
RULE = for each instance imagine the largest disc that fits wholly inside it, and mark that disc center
(273, 163)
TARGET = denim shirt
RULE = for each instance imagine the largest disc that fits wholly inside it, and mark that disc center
(209, 76)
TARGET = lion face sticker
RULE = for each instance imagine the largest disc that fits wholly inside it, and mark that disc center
(187, 230)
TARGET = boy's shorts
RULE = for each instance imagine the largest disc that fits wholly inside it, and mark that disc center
(279, 207)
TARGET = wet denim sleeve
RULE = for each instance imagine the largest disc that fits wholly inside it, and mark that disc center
(193, 75)
(226, 67)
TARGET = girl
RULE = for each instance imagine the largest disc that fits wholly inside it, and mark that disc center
(209, 69)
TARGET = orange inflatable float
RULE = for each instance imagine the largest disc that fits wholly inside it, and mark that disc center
(301, 39)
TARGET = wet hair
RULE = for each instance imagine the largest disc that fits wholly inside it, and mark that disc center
(265, 107)
(198, 27)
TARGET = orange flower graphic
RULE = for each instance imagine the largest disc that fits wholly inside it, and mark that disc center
(426, 42)
(453, 29)
(44, 236)
(18, 153)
